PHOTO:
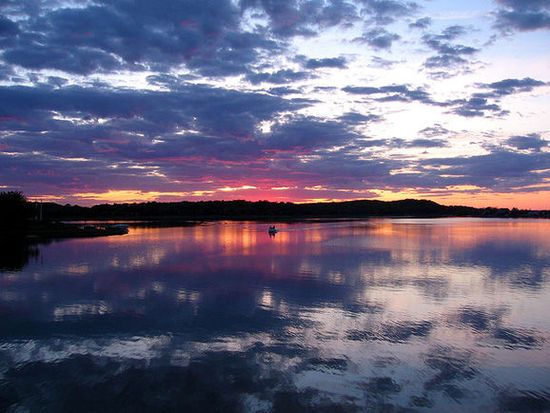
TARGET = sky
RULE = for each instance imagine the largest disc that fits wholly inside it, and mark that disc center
(280, 100)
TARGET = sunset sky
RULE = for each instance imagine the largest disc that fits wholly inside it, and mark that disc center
(139, 100)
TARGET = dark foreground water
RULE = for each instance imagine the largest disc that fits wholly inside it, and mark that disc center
(446, 315)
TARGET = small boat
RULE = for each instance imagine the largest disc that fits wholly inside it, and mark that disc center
(272, 230)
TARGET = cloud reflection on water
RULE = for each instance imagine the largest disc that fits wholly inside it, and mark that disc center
(405, 315)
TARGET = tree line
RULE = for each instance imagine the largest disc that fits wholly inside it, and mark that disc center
(17, 212)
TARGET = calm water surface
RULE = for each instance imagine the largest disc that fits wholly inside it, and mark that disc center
(446, 315)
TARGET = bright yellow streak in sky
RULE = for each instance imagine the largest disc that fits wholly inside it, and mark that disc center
(467, 195)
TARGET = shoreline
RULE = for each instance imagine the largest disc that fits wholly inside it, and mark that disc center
(98, 227)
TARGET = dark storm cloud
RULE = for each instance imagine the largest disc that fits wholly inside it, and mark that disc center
(523, 15)
(532, 142)
(336, 62)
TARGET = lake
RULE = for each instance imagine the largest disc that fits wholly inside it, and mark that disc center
(392, 315)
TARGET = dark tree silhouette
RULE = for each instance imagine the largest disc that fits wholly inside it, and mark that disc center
(275, 210)
(14, 211)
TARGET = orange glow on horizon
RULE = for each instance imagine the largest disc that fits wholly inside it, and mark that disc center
(539, 200)
(459, 195)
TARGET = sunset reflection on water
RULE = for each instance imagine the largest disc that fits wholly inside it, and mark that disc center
(426, 315)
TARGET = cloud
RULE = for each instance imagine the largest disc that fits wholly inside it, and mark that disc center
(500, 170)
(335, 62)
(435, 131)
(415, 143)
(512, 86)
(284, 90)
(422, 23)
(377, 61)
(103, 37)
(341, 168)
(72, 126)
(384, 12)
(107, 138)
(8, 29)
(477, 106)
(379, 38)
(81, 61)
(426, 143)
(278, 77)
(102, 136)
(522, 15)
(487, 103)
(288, 18)
(393, 93)
(6, 72)
(532, 142)
(450, 56)
(354, 118)
(308, 133)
